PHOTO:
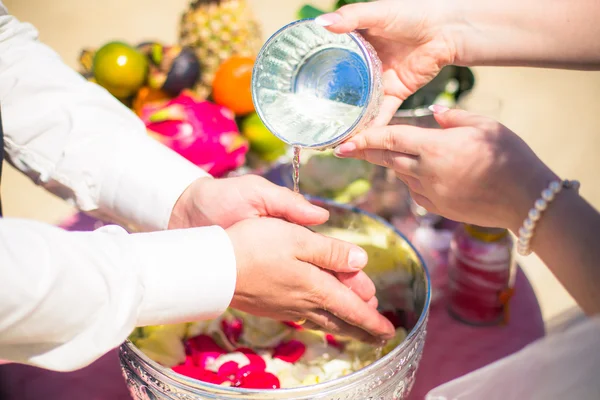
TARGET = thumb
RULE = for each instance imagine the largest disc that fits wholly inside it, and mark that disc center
(330, 254)
(280, 202)
(453, 118)
(356, 16)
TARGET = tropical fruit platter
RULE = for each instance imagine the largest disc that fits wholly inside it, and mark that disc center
(194, 96)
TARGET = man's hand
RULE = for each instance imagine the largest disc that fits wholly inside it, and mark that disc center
(287, 272)
(226, 201)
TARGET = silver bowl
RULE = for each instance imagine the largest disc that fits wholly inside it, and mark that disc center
(389, 378)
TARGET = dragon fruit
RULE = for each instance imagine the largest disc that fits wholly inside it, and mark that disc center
(203, 132)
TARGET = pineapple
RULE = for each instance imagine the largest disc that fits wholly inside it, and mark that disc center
(217, 30)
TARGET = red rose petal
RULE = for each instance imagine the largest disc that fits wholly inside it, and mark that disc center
(393, 318)
(199, 373)
(232, 329)
(204, 343)
(203, 350)
(228, 369)
(259, 380)
(256, 361)
(294, 325)
(290, 351)
(333, 342)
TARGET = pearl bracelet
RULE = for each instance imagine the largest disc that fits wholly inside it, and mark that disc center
(527, 230)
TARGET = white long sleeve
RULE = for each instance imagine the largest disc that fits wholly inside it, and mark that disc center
(66, 298)
(75, 139)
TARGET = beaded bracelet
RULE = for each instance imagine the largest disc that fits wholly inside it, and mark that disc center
(527, 230)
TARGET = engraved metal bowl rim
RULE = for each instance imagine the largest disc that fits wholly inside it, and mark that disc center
(355, 36)
(328, 385)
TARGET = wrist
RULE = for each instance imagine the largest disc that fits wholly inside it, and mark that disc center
(527, 190)
(483, 33)
(186, 209)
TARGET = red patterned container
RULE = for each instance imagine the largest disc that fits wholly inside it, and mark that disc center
(481, 272)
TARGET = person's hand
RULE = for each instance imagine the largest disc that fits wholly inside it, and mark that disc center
(224, 202)
(413, 41)
(474, 170)
(287, 272)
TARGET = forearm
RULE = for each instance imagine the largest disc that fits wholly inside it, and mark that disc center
(536, 33)
(76, 140)
(566, 238)
(66, 298)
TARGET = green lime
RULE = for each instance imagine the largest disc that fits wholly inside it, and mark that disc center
(262, 142)
(120, 68)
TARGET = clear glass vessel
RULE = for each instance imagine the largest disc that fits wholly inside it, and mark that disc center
(403, 282)
(315, 89)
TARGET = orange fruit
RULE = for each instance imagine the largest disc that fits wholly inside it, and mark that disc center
(232, 85)
(147, 95)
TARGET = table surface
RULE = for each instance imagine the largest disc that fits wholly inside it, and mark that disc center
(452, 349)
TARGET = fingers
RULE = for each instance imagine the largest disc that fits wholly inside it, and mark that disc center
(424, 202)
(329, 253)
(327, 322)
(454, 118)
(359, 282)
(388, 108)
(357, 16)
(402, 164)
(347, 306)
(373, 302)
(414, 184)
(280, 202)
(399, 138)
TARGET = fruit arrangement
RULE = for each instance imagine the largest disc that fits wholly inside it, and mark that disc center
(193, 95)
(218, 30)
(203, 132)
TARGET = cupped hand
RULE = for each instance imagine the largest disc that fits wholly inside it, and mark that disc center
(224, 202)
(287, 272)
(414, 41)
(475, 170)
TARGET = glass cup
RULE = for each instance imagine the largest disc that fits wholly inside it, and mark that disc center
(313, 88)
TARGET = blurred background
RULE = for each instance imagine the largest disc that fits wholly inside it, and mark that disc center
(554, 111)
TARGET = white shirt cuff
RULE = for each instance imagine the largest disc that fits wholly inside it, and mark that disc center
(183, 279)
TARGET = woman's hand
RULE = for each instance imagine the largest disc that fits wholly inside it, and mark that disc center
(412, 40)
(287, 272)
(415, 39)
(474, 170)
